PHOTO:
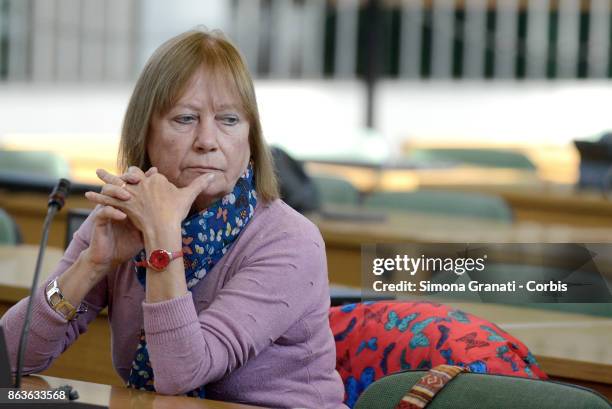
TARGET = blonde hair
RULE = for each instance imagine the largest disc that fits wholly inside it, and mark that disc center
(162, 82)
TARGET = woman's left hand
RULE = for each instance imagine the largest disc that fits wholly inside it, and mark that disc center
(155, 202)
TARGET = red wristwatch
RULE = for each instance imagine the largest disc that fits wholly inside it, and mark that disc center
(159, 259)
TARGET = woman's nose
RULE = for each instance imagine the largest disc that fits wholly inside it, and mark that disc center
(205, 139)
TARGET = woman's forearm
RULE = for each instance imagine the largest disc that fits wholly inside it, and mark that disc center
(78, 280)
(50, 333)
(170, 283)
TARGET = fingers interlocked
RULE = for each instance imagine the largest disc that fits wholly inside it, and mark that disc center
(115, 186)
(116, 189)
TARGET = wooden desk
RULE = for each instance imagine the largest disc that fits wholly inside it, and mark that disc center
(17, 265)
(531, 199)
(119, 397)
(344, 237)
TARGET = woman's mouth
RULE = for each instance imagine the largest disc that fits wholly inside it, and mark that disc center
(202, 169)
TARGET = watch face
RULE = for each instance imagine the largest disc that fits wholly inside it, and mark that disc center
(55, 299)
(159, 259)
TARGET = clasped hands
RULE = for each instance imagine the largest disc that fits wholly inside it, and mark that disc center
(147, 198)
(135, 207)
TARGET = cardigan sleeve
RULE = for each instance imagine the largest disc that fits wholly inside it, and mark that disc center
(278, 284)
(51, 334)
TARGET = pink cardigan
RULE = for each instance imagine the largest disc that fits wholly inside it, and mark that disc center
(255, 330)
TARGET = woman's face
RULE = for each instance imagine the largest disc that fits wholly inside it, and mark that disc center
(205, 132)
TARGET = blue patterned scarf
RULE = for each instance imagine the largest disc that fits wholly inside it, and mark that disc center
(207, 236)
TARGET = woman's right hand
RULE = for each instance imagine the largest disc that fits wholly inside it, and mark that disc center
(114, 239)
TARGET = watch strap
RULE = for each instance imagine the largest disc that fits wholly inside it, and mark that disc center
(172, 255)
(59, 304)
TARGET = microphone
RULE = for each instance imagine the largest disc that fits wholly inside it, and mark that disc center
(59, 193)
(56, 202)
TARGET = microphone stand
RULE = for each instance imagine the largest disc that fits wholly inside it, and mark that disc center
(56, 202)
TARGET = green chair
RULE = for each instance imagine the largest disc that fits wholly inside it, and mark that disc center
(483, 391)
(491, 158)
(443, 202)
(33, 163)
(334, 190)
(9, 231)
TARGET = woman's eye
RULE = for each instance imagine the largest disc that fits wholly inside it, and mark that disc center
(185, 119)
(229, 119)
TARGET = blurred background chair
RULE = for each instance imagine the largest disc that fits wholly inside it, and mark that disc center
(335, 190)
(296, 186)
(33, 163)
(495, 158)
(9, 231)
(74, 219)
(443, 202)
(595, 163)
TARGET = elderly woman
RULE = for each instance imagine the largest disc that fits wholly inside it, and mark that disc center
(214, 286)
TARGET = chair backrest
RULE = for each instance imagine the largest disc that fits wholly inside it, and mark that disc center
(35, 163)
(451, 203)
(335, 190)
(474, 391)
(491, 158)
(296, 187)
(74, 219)
(9, 231)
